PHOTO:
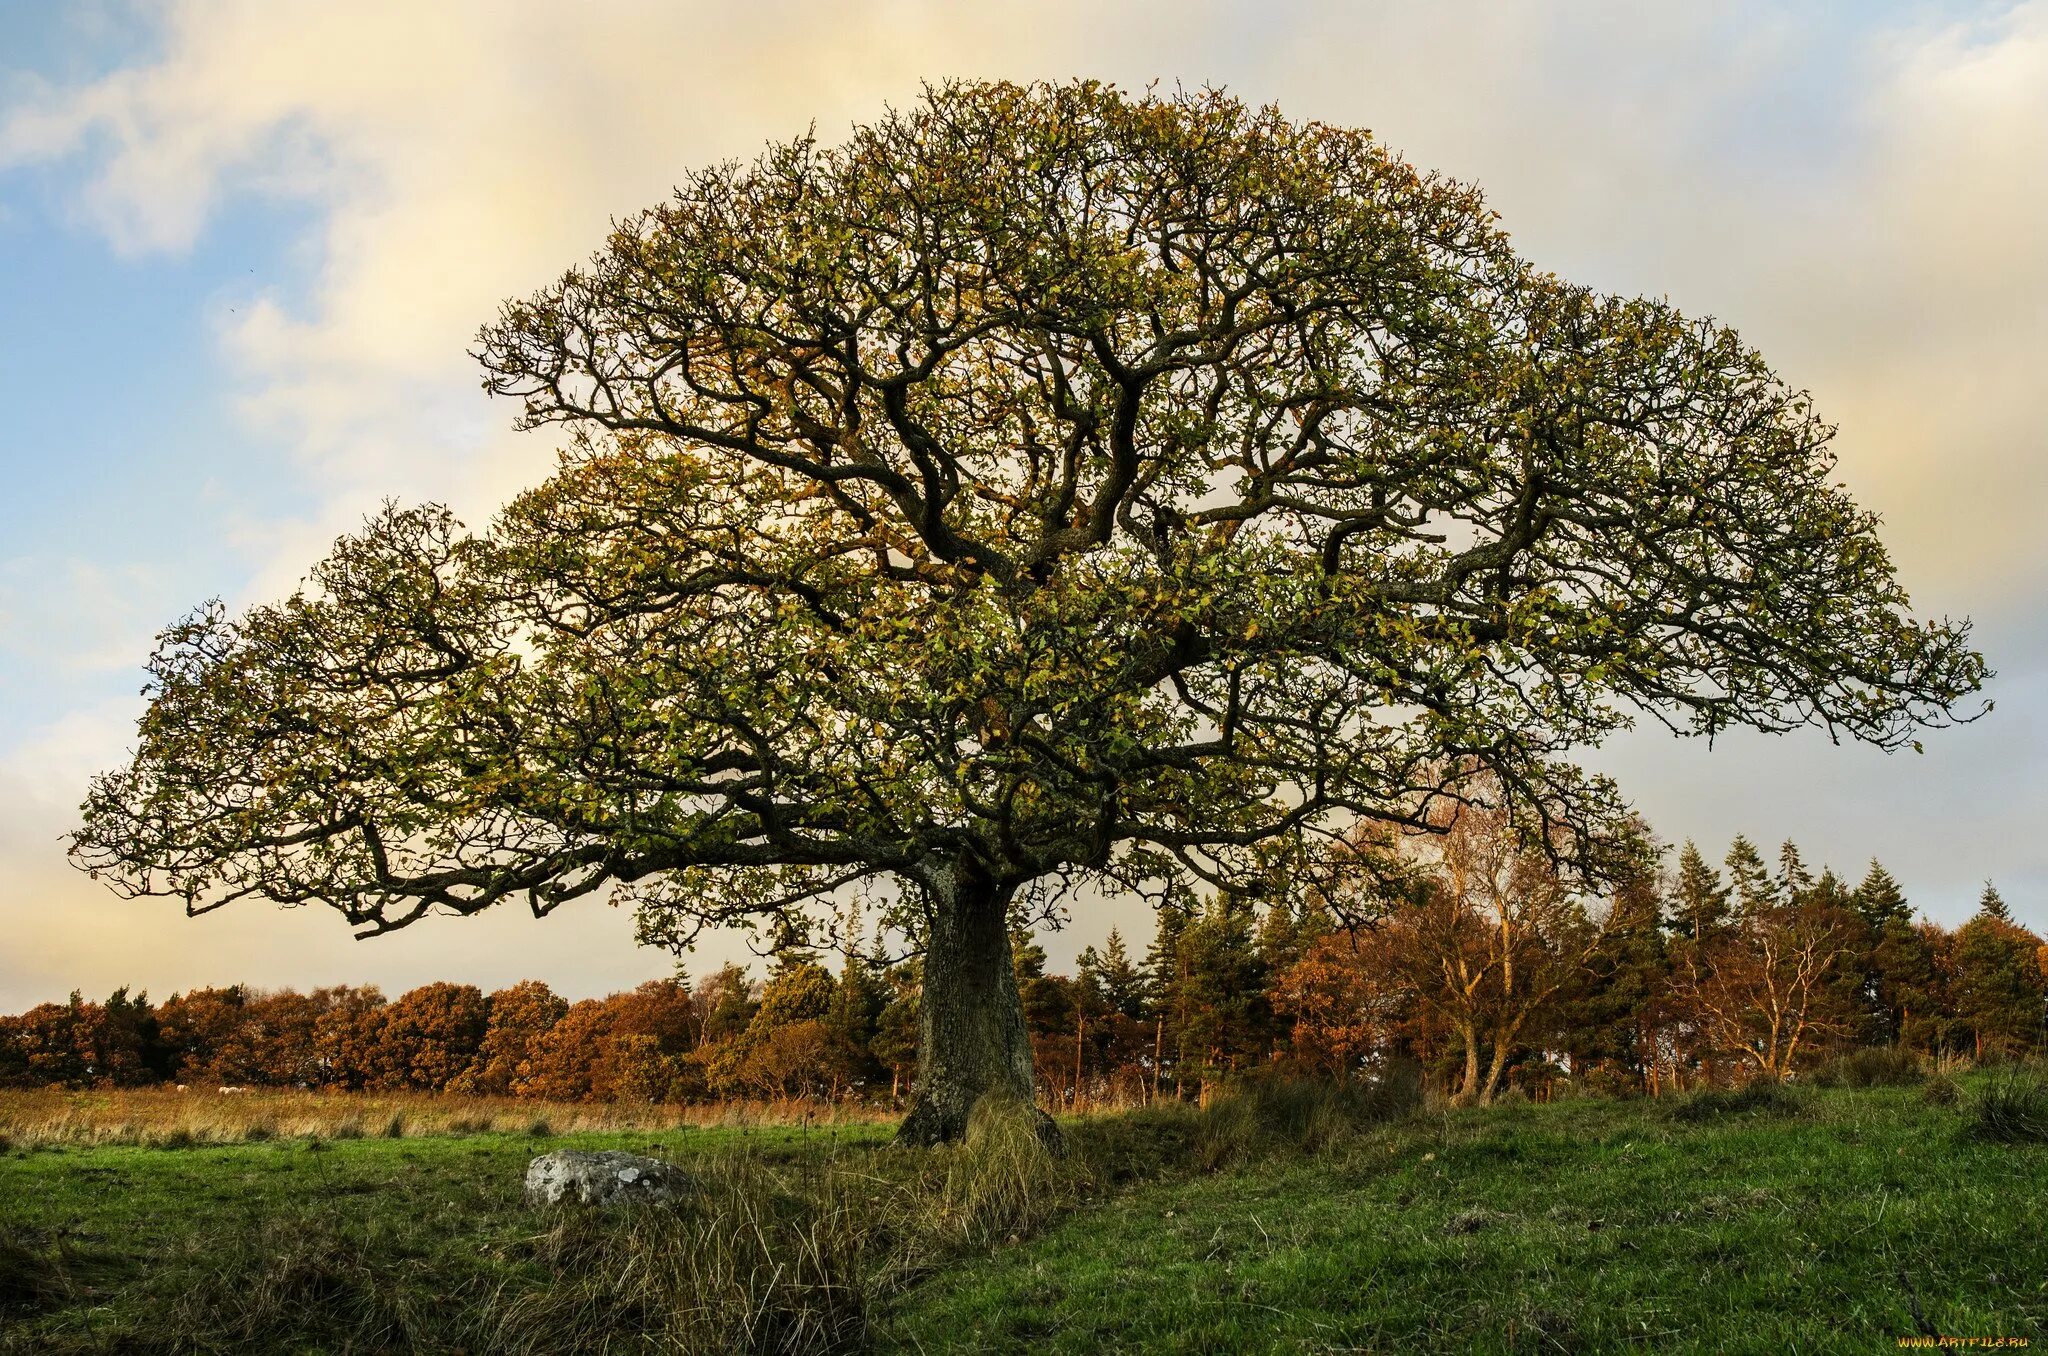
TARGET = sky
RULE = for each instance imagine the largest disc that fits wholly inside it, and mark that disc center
(245, 246)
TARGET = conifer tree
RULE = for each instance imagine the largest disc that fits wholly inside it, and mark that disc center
(1794, 880)
(1699, 901)
(1749, 880)
(1991, 904)
(1879, 898)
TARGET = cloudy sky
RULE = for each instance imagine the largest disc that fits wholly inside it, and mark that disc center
(244, 245)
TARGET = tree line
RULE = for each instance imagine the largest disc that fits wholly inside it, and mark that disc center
(1481, 966)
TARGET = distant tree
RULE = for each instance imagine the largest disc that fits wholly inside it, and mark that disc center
(428, 1037)
(1794, 880)
(1765, 994)
(1879, 898)
(346, 1037)
(896, 1026)
(1997, 983)
(520, 1016)
(1218, 994)
(1046, 484)
(725, 1004)
(1991, 904)
(53, 1043)
(1117, 982)
(1340, 1003)
(277, 1042)
(1751, 888)
(1490, 941)
(1699, 901)
(567, 1063)
(852, 1024)
(1615, 1013)
(205, 1032)
(1896, 970)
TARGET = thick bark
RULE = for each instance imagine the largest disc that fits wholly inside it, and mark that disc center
(972, 1041)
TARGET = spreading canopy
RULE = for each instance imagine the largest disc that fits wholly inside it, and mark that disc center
(1043, 482)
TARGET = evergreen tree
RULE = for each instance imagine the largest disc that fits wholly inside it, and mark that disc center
(1998, 982)
(1794, 880)
(1879, 898)
(1853, 987)
(1991, 904)
(1699, 901)
(1749, 880)
(1117, 983)
(1611, 1020)
(1225, 1015)
(1893, 962)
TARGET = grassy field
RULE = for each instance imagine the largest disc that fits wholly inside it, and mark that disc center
(1840, 1220)
(166, 1118)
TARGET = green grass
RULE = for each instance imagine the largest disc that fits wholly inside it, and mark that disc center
(1582, 1226)
(1816, 1225)
(317, 1246)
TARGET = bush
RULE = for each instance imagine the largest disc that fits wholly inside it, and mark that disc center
(2013, 1110)
(1760, 1098)
(1876, 1066)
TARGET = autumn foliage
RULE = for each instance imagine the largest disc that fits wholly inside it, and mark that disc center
(1485, 971)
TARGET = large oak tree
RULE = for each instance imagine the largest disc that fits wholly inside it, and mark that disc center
(1044, 486)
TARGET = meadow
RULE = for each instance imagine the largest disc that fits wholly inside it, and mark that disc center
(1284, 1218)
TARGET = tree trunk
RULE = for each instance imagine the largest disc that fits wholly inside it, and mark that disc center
(1494, 1068)
(1469, 1088)
(972, 1040)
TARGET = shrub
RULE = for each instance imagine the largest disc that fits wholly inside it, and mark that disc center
(2013, 1110)
(1760, 1098)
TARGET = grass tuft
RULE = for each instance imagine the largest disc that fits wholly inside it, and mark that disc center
(1266, 1118)
(2013, 1110)
(746, 1264)
(1941, 1090)
(1002, 1180)
(1871, 1067)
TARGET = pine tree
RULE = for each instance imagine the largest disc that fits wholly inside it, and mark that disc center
(1893, 962)
(1991, 904)
(1879, 898)
(1794, 880)
(1749, 880)
(1699, 901)
(1119, 985)
(1225, 1015)
(1611, 1020)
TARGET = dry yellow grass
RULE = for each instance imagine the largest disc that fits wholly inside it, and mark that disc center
(167, 1117)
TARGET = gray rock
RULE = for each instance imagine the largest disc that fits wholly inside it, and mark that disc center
(603, 1177)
